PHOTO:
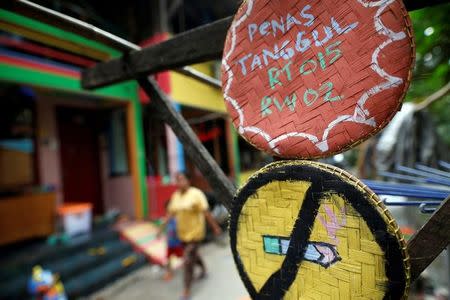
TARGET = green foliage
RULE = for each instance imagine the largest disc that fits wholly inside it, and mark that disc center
(432, 70)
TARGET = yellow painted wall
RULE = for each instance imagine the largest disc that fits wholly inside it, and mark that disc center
(190, 92)
(245, 175)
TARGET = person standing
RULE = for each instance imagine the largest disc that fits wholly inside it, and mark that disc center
(189, 207)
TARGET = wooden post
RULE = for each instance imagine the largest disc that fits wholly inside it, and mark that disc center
(158, 19)
(222, 186)
(430, 240)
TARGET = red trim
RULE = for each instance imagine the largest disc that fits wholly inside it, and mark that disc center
(155, 39)
(210, 134)
(44, 51)
(39, 67)
(159, 194)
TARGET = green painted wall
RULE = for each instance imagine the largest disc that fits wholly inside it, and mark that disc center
(9, 73)
(236, 154)
(140, 146)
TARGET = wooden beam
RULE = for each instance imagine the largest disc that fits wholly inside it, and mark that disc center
(198, 45)
(195, 46)
(430, 240)
(160, 102)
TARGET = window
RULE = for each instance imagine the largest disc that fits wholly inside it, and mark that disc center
(117, 144)
(155, 145)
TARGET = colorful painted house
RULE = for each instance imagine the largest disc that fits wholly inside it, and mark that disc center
(58, 141)
(61, 144)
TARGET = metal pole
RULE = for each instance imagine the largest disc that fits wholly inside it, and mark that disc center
(420, 173)
(403, 177)
(444, 164)
(433, 171)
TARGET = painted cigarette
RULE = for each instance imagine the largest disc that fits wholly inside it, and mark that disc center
(321, 253)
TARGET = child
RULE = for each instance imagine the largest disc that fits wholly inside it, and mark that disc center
(174, 246)
(44, 285)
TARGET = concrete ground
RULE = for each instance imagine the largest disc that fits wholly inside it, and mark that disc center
(222, 283)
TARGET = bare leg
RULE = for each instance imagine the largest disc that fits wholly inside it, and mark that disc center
(199, 261)
(169, 274)
(189, 263)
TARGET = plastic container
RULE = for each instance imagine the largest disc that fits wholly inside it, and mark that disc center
(76, 218)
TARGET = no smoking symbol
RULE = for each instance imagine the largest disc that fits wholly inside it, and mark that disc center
(302, 229)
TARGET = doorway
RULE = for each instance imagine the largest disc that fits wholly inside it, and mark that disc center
(78, 132)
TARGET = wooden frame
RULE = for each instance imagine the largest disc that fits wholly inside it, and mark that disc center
(194, 46)
(205, 43)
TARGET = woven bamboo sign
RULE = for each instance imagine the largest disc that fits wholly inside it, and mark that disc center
(306, 79)
(304, 230)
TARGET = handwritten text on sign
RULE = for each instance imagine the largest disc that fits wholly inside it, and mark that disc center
(287, 50)
(305, 78)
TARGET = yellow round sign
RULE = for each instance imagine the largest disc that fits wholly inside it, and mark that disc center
(304, 230)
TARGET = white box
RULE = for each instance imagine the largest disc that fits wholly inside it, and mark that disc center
(76, 217)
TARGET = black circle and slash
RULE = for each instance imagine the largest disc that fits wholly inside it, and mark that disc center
(321, 182)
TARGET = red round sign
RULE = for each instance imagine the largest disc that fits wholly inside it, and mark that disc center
(307, 79)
